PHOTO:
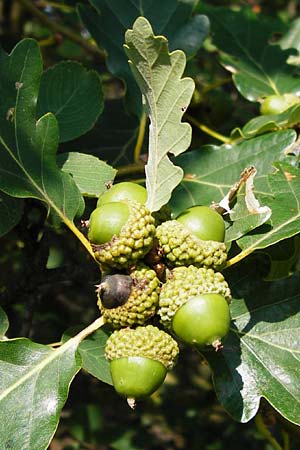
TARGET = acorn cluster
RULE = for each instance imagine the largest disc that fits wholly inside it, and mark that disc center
(161, 285)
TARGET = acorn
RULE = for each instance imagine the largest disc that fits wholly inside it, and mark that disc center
(203, 320)
(139, 360)
(204, 223)
(121, 233)
(114, 290)
(136, 297)
(180, 247)
(124, 191)
(181, 301)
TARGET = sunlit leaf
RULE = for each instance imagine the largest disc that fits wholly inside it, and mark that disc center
(283, 199)
(210, 172)
(34, 380)
(89, 173)
(259, 68)
(262, 124)
(261, 355)
(166, 95)
(171, 18)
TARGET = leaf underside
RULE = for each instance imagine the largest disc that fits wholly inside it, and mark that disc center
(166, 96)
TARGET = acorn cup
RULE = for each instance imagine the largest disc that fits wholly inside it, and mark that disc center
(128, 300)
(194, 304)
(180, 247)
(121, 233)
(139, 360)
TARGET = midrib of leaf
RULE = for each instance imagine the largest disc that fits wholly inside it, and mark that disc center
(258, 242)
(32, 181)
(68, 101)
(74, 341)
(48, 200)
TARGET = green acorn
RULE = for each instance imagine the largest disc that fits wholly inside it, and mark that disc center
(181, 248)
(124, 191)
(203, 320)
(121, 233)
(140, 304)
(139, 360)
(184, 283)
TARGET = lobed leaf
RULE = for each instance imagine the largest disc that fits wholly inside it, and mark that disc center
(93, 358)
(259, 68)
(28, 148)
(263, 124)
(34, 381)
(243, 218)
(166, 96)
(89, 173)
(173, 19)
(74, 95)
(284, 202)
(261, 355)
(211, 171)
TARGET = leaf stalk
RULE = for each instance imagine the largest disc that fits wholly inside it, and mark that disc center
(207, 130)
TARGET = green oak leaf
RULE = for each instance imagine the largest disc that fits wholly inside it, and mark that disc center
(92, 352)
(210, 172)
(171, 18)
(11, 210)
(283, 199)
(266, 123)
(261, 356)
(166, 96)
(28, 148)
(4, 323)
(74, 95)
(283, 258)
(259, 68)
(291, 39)
(244, 220)
(92, 355)
(89, 173)
(34, 382)
(113, 137)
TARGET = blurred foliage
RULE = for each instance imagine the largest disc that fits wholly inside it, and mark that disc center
(47, 280)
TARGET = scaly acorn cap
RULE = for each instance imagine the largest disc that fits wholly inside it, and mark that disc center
(141, 303)
(184, 283)
(148, 342)
(181, 248)
(132, 243)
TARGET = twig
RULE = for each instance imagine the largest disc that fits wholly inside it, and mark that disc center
(208, 130)
(58, 28)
